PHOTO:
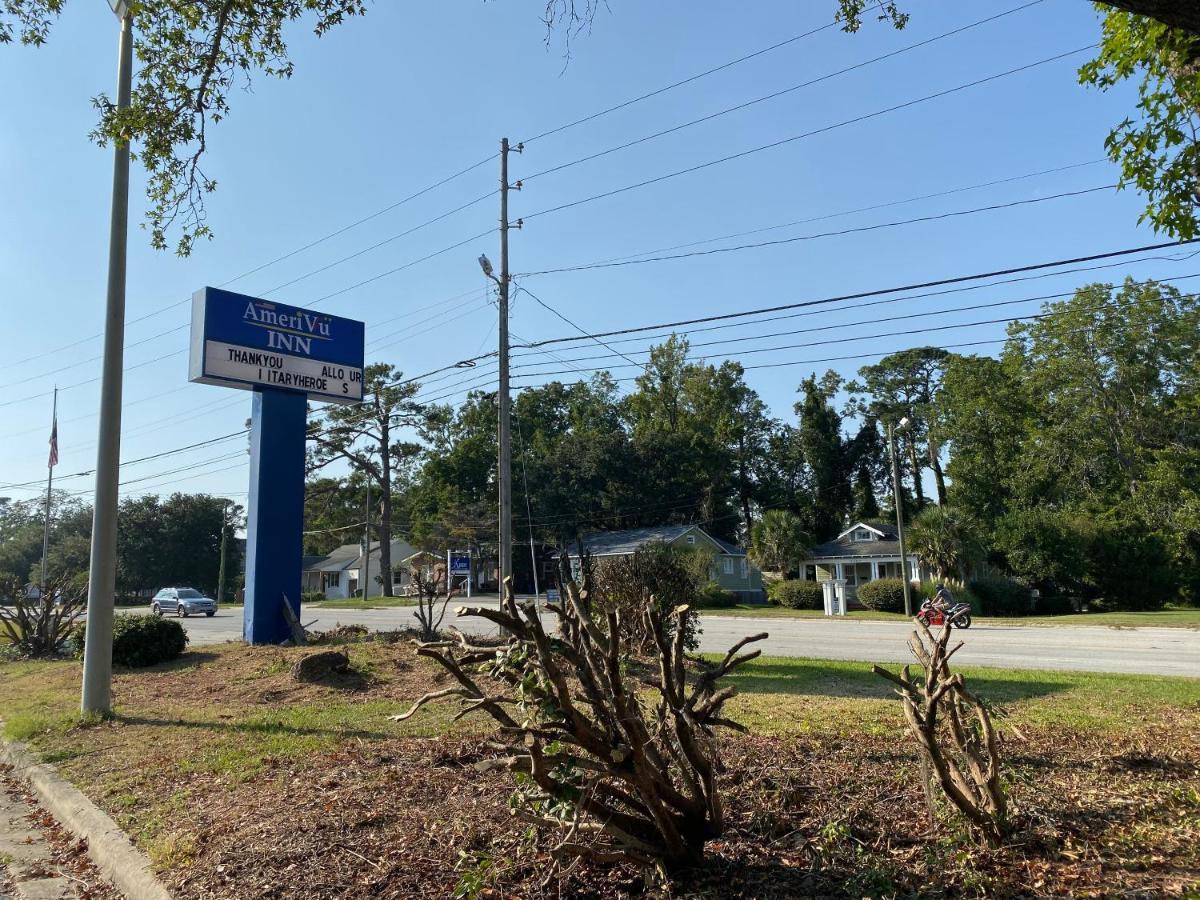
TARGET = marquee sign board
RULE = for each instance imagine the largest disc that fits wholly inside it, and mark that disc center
(249, 343)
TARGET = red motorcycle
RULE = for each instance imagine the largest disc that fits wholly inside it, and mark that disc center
(958, 615)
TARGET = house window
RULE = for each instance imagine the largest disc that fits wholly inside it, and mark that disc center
(691, 539)
(745, 568)
(728, 566)
(861, 534)
(333, 579)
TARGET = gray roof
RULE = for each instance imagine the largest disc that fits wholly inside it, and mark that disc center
(845, 547)
(622, 543)
(350, 556)
(888, 545)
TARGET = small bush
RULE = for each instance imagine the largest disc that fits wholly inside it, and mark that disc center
(1001, 596)
(713, 596)
(797, 594)
(882, 595)
(139, 641)
(311, 597)
(1053, 605)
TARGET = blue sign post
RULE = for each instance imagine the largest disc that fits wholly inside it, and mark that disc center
(287, 355)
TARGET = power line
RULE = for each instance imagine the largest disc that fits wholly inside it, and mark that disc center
(798, 137)
(844, 340)
(843, 325)
(681, 83)
(279, 259)
(365, 219)
(958, 279)
(859, 229)
(142, 459)
(861, 209)
(906, 297)
(586, 334)
(780, 93)
(376, 246)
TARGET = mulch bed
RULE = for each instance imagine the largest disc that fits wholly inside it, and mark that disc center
(815, 816)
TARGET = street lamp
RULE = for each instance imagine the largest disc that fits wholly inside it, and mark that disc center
(102, 571)
(902, 425)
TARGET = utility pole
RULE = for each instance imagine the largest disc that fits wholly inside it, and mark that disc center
(102, 571)
(908, 611)
(224, 544)
(505, 399)
(366, 579)
(53, 461)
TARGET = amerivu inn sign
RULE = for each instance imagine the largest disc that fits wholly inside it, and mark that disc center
(287, 356)
(245, 342)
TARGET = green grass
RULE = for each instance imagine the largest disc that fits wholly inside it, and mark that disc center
(1169, 617)
(781, 695)
(765, 611)
(359, 603)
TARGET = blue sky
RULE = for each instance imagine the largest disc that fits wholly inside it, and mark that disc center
(386, 105)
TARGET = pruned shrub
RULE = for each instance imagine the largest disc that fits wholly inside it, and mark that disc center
(620, 767)
(139, 641)
(40, 626)
(797, 594)
(308, 597)
(626, 584)
(954, 731)
(1002, 596)
(882, 595)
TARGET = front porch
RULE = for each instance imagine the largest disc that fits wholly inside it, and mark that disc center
(855, 571)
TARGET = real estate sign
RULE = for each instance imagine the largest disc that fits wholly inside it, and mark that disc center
(249, 343)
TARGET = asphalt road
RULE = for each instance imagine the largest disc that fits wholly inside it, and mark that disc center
(1153, 651)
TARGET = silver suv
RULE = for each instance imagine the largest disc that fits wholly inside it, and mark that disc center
(183, 602)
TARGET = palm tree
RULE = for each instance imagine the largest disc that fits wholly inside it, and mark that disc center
(778, 542)
(946, 540)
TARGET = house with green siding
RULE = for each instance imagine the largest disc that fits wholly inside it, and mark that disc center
(732, 569)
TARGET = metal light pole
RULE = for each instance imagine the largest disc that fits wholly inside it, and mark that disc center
(903, 423)
(102, 573)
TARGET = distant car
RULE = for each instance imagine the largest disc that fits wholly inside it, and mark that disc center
(183, 602)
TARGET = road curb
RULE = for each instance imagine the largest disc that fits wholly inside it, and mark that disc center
(110, 849)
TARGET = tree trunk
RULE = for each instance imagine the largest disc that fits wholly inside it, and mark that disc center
(915, 461)
(744, 489)
(938, 475)
(1181, 14)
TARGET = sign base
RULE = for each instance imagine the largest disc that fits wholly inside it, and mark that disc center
(274, 529)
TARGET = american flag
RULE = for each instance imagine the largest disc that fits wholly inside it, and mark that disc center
(54, 435)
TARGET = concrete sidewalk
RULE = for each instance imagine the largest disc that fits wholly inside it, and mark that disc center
(31, 868)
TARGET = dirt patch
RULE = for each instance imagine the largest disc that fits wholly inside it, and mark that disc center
(249, 676)
(411, 817)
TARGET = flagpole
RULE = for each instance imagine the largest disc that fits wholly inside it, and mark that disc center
(50, 485)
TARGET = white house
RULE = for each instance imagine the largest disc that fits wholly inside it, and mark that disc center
(866, 551)
(337, 575)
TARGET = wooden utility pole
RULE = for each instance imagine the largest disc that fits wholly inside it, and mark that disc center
(505, 399)
(366, 572)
